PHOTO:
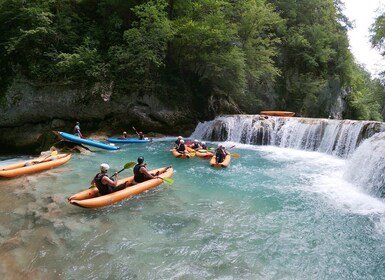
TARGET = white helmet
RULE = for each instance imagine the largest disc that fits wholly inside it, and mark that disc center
(219, 145)
(203, 143)
(104, 167)
(180, 137)
(196, 140)
(182, 141)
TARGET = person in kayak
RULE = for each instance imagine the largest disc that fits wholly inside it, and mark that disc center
(125, 135)
(182, 148)
(203, 145)
(140, 135)
(177, 141)
(77, 131)
(220, 153)
(141, 173)
(106, 184)
(195, 145)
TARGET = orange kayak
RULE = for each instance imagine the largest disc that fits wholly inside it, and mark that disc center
(90, 198)
(33, 165)
(278, 113)
(180, 155)
(224, 163)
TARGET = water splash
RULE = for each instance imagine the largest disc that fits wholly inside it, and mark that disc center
(335, 137)
(366, 168)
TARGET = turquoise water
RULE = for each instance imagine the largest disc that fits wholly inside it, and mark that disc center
(273, 214)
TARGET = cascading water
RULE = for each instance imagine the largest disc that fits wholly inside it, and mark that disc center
(366, 168)
(366, 164)
(335, 137)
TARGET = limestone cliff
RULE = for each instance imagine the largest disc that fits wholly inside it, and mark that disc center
(29, 113)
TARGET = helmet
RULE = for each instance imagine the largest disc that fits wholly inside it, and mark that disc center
(140, 159)
(182, 141)
(104, 167)
(220, 145)
(124, 132)
(203, 142)
(140, 132)
(180, 137)
(196, 140)
(77, 123)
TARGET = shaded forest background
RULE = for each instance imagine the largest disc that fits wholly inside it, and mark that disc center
(214, 56)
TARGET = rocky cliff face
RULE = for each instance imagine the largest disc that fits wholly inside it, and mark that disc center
(29, 113)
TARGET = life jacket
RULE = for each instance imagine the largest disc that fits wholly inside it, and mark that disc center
(195, 146)
(204, 147)
(220, 155)
(138, 176)
(177, 142)
(181, 148)
(103, 189)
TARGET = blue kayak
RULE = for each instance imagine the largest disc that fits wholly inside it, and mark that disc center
(128, 140)
(85, 141)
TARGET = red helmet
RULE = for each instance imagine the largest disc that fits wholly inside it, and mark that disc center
(140, 132)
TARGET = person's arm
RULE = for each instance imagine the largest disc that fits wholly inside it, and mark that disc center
(145, 172)
(107, 181)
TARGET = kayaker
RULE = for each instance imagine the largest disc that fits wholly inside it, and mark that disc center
(141, 135)
(106, 184)
(125, 135)
(182, 148)
(141, 173)
(177, 141)
(77, 130)
(203, 145)
(220, 153)
(195, 145)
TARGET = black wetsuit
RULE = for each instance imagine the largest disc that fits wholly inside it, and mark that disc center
(106, 189)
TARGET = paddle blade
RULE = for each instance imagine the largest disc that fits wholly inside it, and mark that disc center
(233, 146)
(129, 164)
(235, 155)
(168, 181)
(54, 153)
(192, 154)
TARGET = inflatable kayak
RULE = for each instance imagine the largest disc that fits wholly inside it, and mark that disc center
(180, 155)
(90, 198)
(128, 140)
(200, 153)
(85, 141)
(33, 165)
(278, 113)
(224, 163)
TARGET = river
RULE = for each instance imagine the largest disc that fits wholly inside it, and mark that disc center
(274, 213)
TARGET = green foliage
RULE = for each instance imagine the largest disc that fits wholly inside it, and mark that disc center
(250, 54)
(366, 97)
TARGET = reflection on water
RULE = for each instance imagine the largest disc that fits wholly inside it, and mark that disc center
(273, 214)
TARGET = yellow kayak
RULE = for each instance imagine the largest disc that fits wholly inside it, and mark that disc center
(33, 165)
(90, 198)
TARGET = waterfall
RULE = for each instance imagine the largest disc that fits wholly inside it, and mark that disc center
(335, 137)
(366, 167)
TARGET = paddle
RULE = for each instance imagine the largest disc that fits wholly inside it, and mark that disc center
(126, 166)
(235, 155)
(52, 154)
(135, 130)
(168, 181)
